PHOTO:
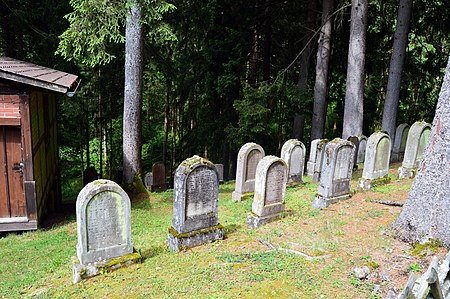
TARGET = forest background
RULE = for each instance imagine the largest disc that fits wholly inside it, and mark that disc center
(217, 74)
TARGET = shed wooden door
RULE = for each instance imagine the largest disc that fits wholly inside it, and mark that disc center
(12, 195)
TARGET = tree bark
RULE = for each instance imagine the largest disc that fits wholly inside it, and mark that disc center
(132, 95)
(323, 58)
(425, 214)
(299, 119)
(396, 67)
(354, 100)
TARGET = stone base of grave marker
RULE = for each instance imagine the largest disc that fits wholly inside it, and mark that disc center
(396, 156)
(367, 184)
(236, 196)
(80, 271)
(406, 173)
(293, 180)
(181, 241)
(255, 221)
(320, 202)
(315, 177)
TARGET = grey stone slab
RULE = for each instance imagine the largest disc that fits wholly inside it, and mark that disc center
(418, 137)
(355, 141)
(361, 148)
(337, 168)
(148, 180)
(248, 158)
(103, 213)
(219, 168)
(195, 210)
(399, 144)
(376, 160)
(270, 188)
(320, 151)
(293, 153)
(312, 157)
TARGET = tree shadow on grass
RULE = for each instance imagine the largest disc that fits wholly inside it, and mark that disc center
(153, 251)
(63, 214)
(231, 228)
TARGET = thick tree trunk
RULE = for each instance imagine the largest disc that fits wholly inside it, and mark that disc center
(396, 67)
(132, 95)
(354, 101)
(425, 214)
(305, 59)
(323, 58)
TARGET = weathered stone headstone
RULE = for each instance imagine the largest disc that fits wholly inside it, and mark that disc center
(415, 146)
(361, 148)
(103, 213)
(219, 168)
(399, 144)
(314, 165)
(248, 158)
(195, 208)
(320, 150)
(355, 141)
(89, 175)
(293, 153)
(159, 177)
(270, 188)
(148, 181)
(337, 168)
(376, 161)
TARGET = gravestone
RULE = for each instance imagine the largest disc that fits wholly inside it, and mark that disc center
(270, 188)
(103, 213)
(376, 161)
(148, 181)
(320, 150)
(89, 175)
(293, 153)
(399, 145)
(337, 168)
(159, 177)
(361, 148)
(219, 168)
(355, 141)
(314, 164)
(248, 158)
(195, 208)
(417, 141)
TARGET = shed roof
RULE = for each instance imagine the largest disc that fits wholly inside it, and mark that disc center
(36, 75)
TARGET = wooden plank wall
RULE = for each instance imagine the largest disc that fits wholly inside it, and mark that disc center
(45, 151)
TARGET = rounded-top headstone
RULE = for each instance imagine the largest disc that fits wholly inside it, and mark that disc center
(418, 136)
(293, 153)
(378, 152)
(361, 148)
(103, 212)
(196, 193)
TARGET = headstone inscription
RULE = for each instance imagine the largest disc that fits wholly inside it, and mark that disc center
(195, 208)
(270, 188)
(417, 141)
(361, 148)
(148, 181)
(399, 144)
(293, 153)
(376, 161)
(159, 177)
(337, 168)
(103, 213)
(248, 158)
(355, 141)
(320, 150)
(219, 168)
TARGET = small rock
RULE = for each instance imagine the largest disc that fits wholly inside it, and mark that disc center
(361, 272)
(391, 295)
(385, 276)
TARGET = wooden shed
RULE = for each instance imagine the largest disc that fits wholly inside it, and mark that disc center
(29, 180)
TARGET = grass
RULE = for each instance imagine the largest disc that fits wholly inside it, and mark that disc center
(38, 264)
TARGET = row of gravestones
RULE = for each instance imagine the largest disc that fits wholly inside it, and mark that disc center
(104, 215)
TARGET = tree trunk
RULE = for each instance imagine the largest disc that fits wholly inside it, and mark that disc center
(299, 119)
(425, 214)
(166, 123)
(396, 67)
(132, 95)
(354, 100)
(323, 58)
